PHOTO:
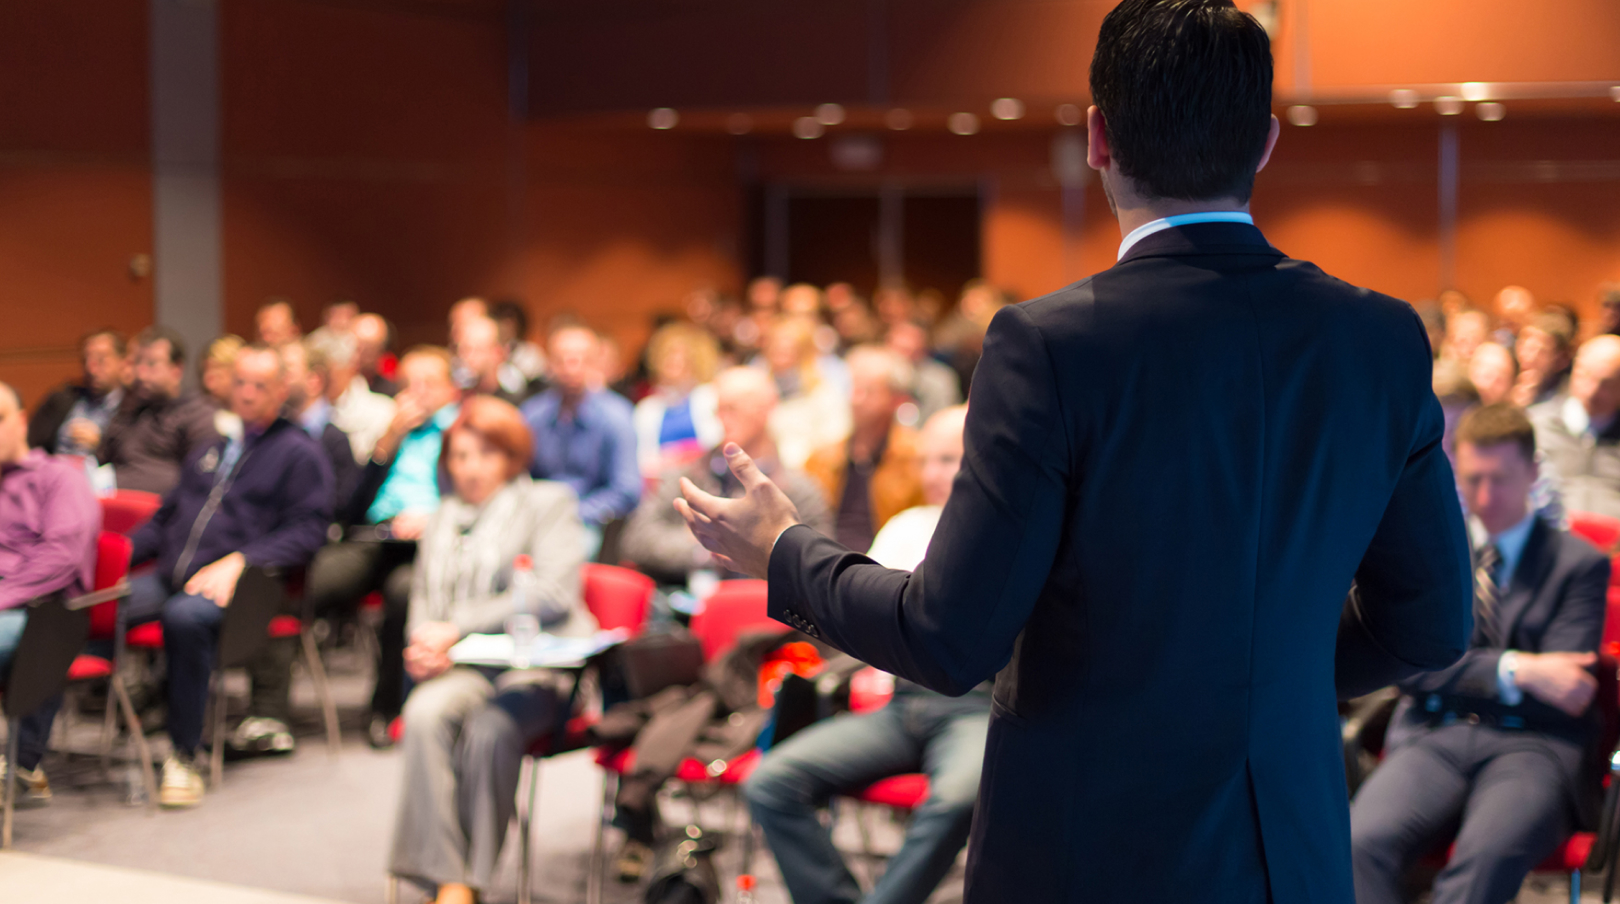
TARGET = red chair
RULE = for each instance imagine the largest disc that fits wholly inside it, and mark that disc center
(126, 510)
(618, 598)
(734, 607)
(1601, 531)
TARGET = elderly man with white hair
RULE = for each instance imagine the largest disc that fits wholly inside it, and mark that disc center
(657, 540)
(1578, 433)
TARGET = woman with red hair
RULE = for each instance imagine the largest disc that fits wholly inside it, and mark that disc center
(466, 728)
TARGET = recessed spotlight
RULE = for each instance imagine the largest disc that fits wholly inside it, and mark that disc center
(739, 124)
(830, 114)
(807, 127)
(663, 118)
(1007, 108)
(1068, 114)
(1476, 91)
(1403, 98)
(898, 119)
(962, 123)
(1302, 115)
(1448, 105)
(1490, 111)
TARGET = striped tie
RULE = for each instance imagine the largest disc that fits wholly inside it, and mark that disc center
(1486, 596)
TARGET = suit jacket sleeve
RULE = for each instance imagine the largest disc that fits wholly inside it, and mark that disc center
(1411, 607)
(48, 419)
(1576, 627)
(952, 623)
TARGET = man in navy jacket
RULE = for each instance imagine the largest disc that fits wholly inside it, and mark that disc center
(1173, 473)
(1499, 741)
(263, 500)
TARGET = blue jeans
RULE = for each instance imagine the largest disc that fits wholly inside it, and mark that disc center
(919, 731)
(34, 729)
(190, 642)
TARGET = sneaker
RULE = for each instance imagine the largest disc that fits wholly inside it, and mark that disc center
(634, 858)
(33, 790)
(182, 784)
(259, 735)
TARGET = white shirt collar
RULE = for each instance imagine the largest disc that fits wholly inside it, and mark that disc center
(1163, 223)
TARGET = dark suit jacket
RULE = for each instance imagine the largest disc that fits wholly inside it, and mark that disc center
(1173, 472)
(345, 470)
(1555, 601)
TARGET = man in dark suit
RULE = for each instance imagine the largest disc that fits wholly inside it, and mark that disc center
(1497, 740)
(1174, 471)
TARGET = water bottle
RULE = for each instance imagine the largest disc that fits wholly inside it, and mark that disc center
(523, 625)
(134, 785)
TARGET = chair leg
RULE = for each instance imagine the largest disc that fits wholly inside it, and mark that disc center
(323, 690)
(109, 725)
(391, 889)
(1574, 886)
(525, 820)
(11, 782)
(216, 761)
(138, 738)
(593, 878)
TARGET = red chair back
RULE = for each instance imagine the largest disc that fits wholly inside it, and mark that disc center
(1611, 625)
(126, 510)
(735, 607)
(1601, 531)
(112, 565)
(618, 597)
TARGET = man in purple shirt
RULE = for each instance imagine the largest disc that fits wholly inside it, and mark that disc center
(49, 520)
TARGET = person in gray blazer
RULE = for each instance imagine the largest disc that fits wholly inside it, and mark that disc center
(1578, 433)
(466, 728)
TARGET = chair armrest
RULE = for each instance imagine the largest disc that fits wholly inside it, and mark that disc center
(116, 592)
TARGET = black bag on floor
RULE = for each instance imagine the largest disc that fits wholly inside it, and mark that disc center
(686, 874)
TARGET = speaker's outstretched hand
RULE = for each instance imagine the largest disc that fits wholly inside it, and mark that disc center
(739, 532)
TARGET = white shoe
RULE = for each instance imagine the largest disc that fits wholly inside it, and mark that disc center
(182, 784)
(258, 734)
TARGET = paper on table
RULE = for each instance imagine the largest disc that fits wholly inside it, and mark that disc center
(548, 651)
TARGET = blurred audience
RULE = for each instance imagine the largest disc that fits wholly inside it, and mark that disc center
(1493, 371)
(397, 492)
(49, 521)
(657, 540)
(933, 386)
(584, 435)
(676, 422)
(812, 412)
(372, 339)
(360, 413)
(1465, 331)
(1609, 310)
(918, 731)
(481, 355)
(337, 324)
(262, 499)
(158, 425)
(523, 373)
(1544, 361)
(217, 373)
(872, 476)
(1515, 307)
(1578, 433)
(1497, 741)
(467, 728)
(71, 420)
(277, 324)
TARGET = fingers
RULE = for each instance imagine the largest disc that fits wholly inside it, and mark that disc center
(724, 562)
(698, 501)
(693, 518)
(748, 473)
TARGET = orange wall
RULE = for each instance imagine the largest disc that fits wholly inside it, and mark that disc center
(75, 189)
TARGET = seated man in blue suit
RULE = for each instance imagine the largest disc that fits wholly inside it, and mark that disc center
(1497, 741)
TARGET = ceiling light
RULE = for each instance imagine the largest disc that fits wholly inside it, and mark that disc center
(1491, 111)
(962, 123)
(807, 127)
(829, 114)
(1067, 114)
(739, 124)
(1448, 105)
(1403, 98)
(663, 118)
(1476, 91)
(1302, 115)
(898, 119)
(1007, 108)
